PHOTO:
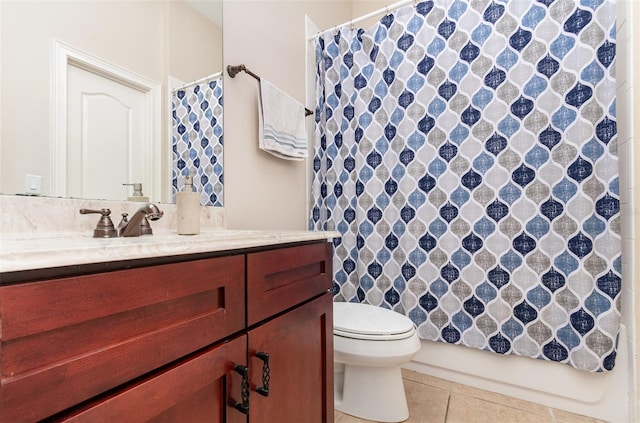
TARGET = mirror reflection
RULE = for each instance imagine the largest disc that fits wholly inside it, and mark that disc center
(99, 94)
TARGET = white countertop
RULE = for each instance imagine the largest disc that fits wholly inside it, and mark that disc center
(20, 252)
(47, 232)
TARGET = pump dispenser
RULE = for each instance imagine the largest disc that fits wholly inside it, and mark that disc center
(188, 204)
(137, 193)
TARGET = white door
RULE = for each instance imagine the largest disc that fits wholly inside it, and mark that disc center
(106, 129)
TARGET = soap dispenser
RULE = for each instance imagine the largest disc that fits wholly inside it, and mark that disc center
(188, 205)
(137, 193)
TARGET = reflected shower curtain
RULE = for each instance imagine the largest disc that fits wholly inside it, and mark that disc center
(466, 151)
(197, 140)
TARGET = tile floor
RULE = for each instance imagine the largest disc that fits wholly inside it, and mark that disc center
(434, 400)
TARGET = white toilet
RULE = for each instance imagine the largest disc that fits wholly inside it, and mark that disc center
(370, 344)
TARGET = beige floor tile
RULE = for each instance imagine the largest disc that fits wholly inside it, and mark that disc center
(505, 400)
(427, 404)
(566, 417)
(426, 379)
(465, 409)
(345, 418)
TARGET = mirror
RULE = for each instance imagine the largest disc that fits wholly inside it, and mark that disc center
(148, 49)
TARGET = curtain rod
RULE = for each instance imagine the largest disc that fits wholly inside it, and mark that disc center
(234, 70)
(198, 81)
(386, 10)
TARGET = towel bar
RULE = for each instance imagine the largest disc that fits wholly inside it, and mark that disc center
(234, 70)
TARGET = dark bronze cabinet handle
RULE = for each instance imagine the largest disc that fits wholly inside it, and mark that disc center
(243, 406)
(264, 389)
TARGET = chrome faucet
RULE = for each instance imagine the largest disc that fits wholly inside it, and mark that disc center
(139, 222)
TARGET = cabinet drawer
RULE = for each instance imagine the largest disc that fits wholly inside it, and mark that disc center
(282, 278)
(196, 390)
(67, 340)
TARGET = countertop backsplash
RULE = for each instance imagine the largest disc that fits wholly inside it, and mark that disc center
(42, 216)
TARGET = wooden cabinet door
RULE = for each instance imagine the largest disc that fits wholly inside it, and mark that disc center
(300, 370)
(203, 388)
(67, 340)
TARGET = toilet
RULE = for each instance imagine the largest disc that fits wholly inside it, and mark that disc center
(370, 344)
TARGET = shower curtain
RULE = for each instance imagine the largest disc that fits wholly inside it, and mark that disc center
(197, 140)
(466, 151)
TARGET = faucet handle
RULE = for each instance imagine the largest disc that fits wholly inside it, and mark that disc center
(104, 228)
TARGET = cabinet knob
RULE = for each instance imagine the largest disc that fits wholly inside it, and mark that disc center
(243, 406)
(266, 374)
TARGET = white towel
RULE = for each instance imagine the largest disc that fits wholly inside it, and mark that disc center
(281, 127)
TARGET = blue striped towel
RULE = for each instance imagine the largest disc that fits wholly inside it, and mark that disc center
(282, 129)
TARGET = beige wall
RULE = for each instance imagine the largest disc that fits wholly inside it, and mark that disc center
(262, 191)
(633, 211)
(627, 98)
(627, 95)
(364, 7)
(189, 58)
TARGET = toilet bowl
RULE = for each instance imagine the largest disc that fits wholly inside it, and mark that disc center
(370, 344)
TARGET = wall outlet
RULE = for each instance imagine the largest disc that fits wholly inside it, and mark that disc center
(33, 184)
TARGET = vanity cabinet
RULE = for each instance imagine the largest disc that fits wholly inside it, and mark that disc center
(180, 342)
(299, 374)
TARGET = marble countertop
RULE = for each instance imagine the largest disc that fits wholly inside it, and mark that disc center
(18, 253)
(47, 232)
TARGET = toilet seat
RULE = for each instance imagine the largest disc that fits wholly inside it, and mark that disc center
(367, 322)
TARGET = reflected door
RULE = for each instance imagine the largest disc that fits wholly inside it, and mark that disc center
(106, 125)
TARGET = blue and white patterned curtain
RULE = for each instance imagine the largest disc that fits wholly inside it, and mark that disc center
(197, 140)
(466, 151)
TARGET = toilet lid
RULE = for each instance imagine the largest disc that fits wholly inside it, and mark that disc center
(364, 321)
